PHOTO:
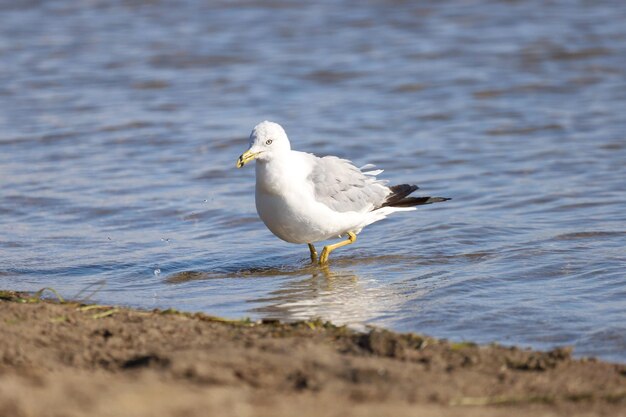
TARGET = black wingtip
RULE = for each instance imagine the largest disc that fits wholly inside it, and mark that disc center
(399, 197)
(399, 193)
(417, 201)
(437, 199)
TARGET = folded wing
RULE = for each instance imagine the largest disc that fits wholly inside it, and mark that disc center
(343, 187)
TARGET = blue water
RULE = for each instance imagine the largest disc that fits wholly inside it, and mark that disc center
(121, 121)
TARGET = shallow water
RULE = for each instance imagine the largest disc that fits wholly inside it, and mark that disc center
(120, 123)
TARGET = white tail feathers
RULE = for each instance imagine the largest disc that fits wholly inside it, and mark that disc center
(371, 173)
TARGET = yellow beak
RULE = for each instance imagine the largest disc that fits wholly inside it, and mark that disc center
(246, 157)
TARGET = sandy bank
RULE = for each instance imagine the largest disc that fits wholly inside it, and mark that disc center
(75, 360)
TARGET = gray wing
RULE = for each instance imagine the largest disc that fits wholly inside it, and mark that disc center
(343, 187)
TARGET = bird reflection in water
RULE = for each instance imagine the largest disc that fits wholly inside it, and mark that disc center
(334, 293)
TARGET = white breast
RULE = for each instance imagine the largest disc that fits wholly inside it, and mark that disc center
(286, 204)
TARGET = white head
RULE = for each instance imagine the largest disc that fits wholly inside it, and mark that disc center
(266, 140)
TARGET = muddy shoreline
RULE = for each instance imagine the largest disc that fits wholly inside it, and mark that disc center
(71, 359)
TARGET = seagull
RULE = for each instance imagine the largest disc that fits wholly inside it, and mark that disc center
(303, 198)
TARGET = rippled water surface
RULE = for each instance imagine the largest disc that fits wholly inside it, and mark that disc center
(120, 123)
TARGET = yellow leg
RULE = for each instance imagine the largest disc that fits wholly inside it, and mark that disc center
(328, 249)
(313, 252)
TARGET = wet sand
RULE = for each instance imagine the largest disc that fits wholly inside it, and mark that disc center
(70, 359)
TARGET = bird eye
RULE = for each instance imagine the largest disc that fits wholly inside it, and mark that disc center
(268, 142)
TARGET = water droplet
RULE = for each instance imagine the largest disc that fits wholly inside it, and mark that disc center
(157, 272)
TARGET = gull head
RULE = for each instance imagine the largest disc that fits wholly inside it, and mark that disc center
(267, 140)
